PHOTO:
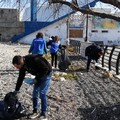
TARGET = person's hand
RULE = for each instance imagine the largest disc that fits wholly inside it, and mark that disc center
(29, 53)
(16, 93)
(100, 53)
(86, 57)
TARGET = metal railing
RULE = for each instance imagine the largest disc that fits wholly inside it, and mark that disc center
(76, 44)
(110, 58)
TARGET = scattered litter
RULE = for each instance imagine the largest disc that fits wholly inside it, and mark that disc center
(62, 79)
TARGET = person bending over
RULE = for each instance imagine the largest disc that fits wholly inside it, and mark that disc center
(41, 69)
(93, 52)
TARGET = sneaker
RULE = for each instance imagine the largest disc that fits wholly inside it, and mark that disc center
(53, 67)
(34, 115)
(43, 116)
(56, 68)
(97, 68)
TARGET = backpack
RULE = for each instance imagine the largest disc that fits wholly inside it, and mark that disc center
(12, 107)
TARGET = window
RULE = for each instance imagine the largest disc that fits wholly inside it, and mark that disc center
(94, 30)
(104, 31)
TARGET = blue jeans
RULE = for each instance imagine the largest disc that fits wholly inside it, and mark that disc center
(41, 89)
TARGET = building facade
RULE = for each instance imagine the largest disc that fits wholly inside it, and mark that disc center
(9, 24)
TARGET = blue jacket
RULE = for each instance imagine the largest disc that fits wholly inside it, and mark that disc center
(54, 47)
(38, 46)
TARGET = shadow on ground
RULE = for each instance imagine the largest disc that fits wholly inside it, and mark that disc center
(74, 58)
(101, 113)
(76, 70)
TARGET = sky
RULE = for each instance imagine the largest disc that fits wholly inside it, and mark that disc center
(25, 3)
(102, 5)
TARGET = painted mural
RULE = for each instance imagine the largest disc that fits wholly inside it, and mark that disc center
(100, 23)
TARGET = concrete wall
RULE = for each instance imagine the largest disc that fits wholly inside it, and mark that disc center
(104, 34)
(9, 24)
(59, 28)
(99, 29)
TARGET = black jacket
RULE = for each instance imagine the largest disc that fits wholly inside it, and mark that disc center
(34, 64)
(93, 51)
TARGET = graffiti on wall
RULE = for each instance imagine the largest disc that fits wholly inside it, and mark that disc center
(100, 23)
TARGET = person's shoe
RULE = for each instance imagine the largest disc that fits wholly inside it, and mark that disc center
(56, 68)
(53, 67)
(34, 115)
(97, 68)
(43, 116)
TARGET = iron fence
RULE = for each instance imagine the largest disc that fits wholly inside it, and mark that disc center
(76, 44)
(110, 59)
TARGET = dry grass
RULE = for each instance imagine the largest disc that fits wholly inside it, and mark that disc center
(47, 56)
(70, 49)
(67, 76)
(76, 68)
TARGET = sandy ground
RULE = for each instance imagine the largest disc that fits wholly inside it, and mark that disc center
(90, 97)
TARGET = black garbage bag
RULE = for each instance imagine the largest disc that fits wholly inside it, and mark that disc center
(1, 110)
(64, 61)
(13, 109)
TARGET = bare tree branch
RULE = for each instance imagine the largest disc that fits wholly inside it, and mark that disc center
(115, 3)
(88, 11)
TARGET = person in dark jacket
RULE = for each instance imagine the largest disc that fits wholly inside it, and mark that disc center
(93, 52)
(38, 45)
(41, 69)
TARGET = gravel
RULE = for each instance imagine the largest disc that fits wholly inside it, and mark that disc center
(90, 97)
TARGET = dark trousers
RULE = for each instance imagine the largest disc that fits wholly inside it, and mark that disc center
(54, 58)
(89, 61)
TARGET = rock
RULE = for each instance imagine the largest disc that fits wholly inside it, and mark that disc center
(62, 79)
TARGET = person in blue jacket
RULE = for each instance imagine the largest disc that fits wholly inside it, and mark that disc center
(38, 45)
(54, 47)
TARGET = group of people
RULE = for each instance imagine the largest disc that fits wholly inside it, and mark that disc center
(39, 46)
(38, 66)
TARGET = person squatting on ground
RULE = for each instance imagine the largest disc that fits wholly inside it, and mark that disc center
(38, 45)
(41, 69)
(93, 52)
(54, 47)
